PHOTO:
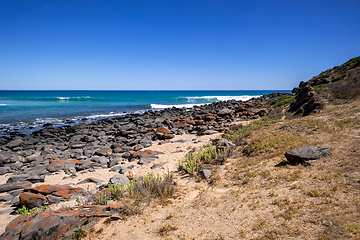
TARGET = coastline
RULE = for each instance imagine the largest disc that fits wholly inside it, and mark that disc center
(99, 150)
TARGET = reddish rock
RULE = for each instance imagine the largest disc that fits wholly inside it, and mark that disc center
(56, 224)
(31, 200)
(163, 133)
(56, 190)
(199, 122)
(61, 165)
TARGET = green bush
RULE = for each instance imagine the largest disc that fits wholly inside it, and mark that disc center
(23, 211)
(285, 101)
(79, 234)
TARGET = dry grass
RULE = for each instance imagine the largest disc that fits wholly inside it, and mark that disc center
(254, 196)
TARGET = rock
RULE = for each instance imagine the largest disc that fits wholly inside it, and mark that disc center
(31, 200)
(5, 198)
(16, 165)
(7, 187)
(103, 161)
(209, 132)
(62, 165)
(56, 190)
(15, 143)
(119, 178)
(306, 153)
(224, 112)
(34, 157)
(163, 133)
(4, 170)
(26, 177)
(57, 224)
(123, 169)
(157, 165)
(205, 173)
(149, 159)
(83, 165)
(94, 180)
(103, 151)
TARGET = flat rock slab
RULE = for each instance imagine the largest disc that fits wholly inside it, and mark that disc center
(56, 190)
(7, 187)
(306, 153)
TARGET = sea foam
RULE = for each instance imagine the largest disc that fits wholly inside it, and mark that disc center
(162, 106)
(222, 98)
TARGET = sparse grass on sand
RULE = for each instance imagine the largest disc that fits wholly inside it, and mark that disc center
(259, 196)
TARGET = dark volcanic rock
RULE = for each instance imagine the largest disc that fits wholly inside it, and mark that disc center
(26, 177)
(306, 153)
(7, 187)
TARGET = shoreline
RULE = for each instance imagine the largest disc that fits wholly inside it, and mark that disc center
(99, 150)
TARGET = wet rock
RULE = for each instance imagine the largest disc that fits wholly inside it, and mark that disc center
(306, 153)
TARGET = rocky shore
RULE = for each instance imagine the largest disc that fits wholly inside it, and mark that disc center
(32, 167)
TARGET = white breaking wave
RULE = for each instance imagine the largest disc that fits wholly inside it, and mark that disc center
(223, 98)
(67, 98)
(4, 104)
(111, 114)
(162, 106)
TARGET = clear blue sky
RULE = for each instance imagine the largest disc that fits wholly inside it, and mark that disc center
(173, 44)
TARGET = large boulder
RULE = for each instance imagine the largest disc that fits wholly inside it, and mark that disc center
(31, 200)
(306, 153)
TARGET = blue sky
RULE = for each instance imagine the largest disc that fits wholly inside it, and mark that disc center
(173, 44)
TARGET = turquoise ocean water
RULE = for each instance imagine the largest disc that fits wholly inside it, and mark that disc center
(26, 111)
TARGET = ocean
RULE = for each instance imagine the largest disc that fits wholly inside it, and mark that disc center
(28, 111)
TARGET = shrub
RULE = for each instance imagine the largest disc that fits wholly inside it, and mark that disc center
(23, 211)
(79, 234)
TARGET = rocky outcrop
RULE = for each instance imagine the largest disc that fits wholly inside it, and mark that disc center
(47, 194)
(57, 224)
(306, 101)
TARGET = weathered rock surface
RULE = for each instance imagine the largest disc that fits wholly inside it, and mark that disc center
(56, 224)
(306, 153)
